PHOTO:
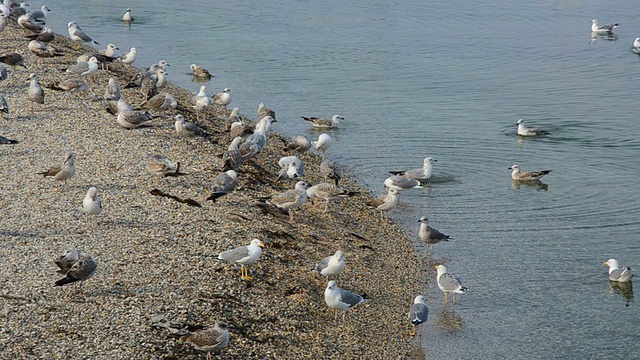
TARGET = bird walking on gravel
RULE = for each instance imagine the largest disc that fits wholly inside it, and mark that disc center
(385, 203)
(290, 200)
(243, 256)
(35, 93)
(323, 143)
(64, 172)
(211, 339)
(331, 266)
(223, 184)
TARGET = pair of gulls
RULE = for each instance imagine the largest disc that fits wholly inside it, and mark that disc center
(408, 179)
(301, 143)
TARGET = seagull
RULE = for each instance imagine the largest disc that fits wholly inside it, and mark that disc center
(43, 50)
(323, 143)
(26, 22)
(339, 299)
(636, 43)
(112, 92)
(617, 274)
(149, 87)
(200, 101)
(13, 59)
(83, 269)
(35, 93)
(46, 35)
(40, 15)
(187, 129)
(291, 167)
(84, 68)
(127, 16)
(66, 261)
(200, 72)
(129, 57)
(160, 165)
(331, 266)
(265, 111)
(232, 158)
(5, 141)
(605, 29)
(131, 119)
(70, 85)
(430, 235)
(330, 170)
(64, 172)
(212, 339)
(244, 255)
(400, 183)
(298, 143)
(222, 98)
(328, 191)
(109, 52)
(161, 102)
(91, 204)
(386, 203)
(449, 283)
(4, 107)
(423, 173)
(418, 313)
(324, 123)
(3, 72)
(161, 79)
(523, 130)
(516, 174)
(76, 34)
(291, 199)
(223, 184)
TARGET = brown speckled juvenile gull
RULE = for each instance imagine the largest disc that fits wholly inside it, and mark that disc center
(200, 72)
(385, 203)
(423, 173)
(26, 22)
(223, 184)
(131, 119)
(331, 266)
(517, 174)
(232, 158)
(324, 123)
(43, 50)
(430, 235)
(64, 172)
(161, 102)
(160, 165)
(212, 339)
(328, 191)
(46, 35)
(298, 143)
(243, 256)
(70, 85)
(291, 199)
(83, 269)
(265, 111)
(13, 59)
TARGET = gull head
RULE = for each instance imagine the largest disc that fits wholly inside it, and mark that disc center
(33, 76)
(163, 63)
(69, 157)
(441, 269)
(128, 9)
(302, 185)
(520, 121)
(339, 255)
(133, 50)
(112, 47)
(179, 119)
(612, 263)
(428, 160)
(257, 243)
(161, 72)
(419, 300)
(72, 24)
(193, 67)
(332, 285)
(93, 60)
(232, 174)
(92, 193)
(424, 219)
(514, 167)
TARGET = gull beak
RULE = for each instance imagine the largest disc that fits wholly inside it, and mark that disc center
(262, 246)
(606, 263)
(434, 160)
(509, 168)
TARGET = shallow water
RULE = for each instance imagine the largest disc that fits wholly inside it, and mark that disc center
(449, 80)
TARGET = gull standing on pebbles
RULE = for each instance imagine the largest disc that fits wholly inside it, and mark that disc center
(161, 102)
(430, 235)
(83, 269)
(449, 283)
(385, 203)
(200, 101)
(129, 57)
(212, 339)
(26, 22)
(339, 299)
(76, 34)
(331, 170)
(265, 111)
(35, 94)
(232, 158)
(13, 59)
(324, 123)
(291, 199)
(46, 35)
(43, 50)
(222, 98)
(605, 29)
(518, 175)
(200, 72)
(328, 191)
(160, 165)
(323, 143)
(617, 274)
(127, 16)
(161, 79)
(331, 266)
(131, 119)
(298, 143)
(66, 261)
(523, 130)
(223, 184)
(186, 128)
(244, 255)
(424, 173)
(64, 172)
(400, 183)
(84, 68)
(112, 92)
(91, 205)
(418, 313)
(40, 15)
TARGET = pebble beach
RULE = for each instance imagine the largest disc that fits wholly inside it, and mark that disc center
(157, 257)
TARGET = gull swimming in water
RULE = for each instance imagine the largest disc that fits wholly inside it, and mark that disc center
(64, 172)
(449, 283)
(200, 72)
(291, 199)
(186, 128)
(324, 123)
(81, 270)
(84, 68)
(636, 43)
(91, 205)
(400, 183)
(129, 57)
(323, 143)
(418, 313)
(331, 266)
(211, 339)
(605, 29)
(430, 235)
(127, 16)
(516, 174)
(160, 165)
(331, 170)
(223, 184)
(339, 299)
(424, 173)
(222, 98)
(76, 34)
(244, 255)
(523, 130)
(385, 203)
(617, 274)
(328, 191)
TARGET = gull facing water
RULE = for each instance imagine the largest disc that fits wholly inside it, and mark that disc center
(523, 130)
(244, 255)
(616, 273)
(424, 173)
(400, 183)
(328, 191)
(324, 123)
(516, 174)
(449, 283)
(223, 98)
(187, 129)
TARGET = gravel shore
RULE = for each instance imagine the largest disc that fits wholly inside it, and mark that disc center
(157, 257)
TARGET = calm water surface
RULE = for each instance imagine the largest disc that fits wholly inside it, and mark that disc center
(449, 80)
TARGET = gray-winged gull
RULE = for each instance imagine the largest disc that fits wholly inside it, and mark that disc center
(339, 299)
(604, 29)
(291, 199)
(244, 255)
(112, 92)
(91, 205)
(81, 270)
(223, 98)
(418, 313)
(386, 203)
(78, 35)
(291, 167)
(331, 266)
(35, 93)
(616, 273)
(186, 128)
(424, 173)
(430, 235)
(84, 68)
(66, 260)
(449, 283)
(400, 183)
(223, 184)
(516, 174)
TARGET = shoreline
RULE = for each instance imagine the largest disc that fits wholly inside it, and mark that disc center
(157, 257)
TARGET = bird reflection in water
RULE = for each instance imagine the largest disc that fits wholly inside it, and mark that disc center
(449, 322)
(607, 36)
(625, 289)
(534, 184)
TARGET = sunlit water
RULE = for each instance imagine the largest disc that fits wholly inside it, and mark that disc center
(449, 80)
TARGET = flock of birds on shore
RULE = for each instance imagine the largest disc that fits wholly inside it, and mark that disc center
(247, 142)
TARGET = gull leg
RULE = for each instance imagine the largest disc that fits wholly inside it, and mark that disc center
(446, 298)
(412, 333)
(291, 216)
(326, 206)
(208, 356)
